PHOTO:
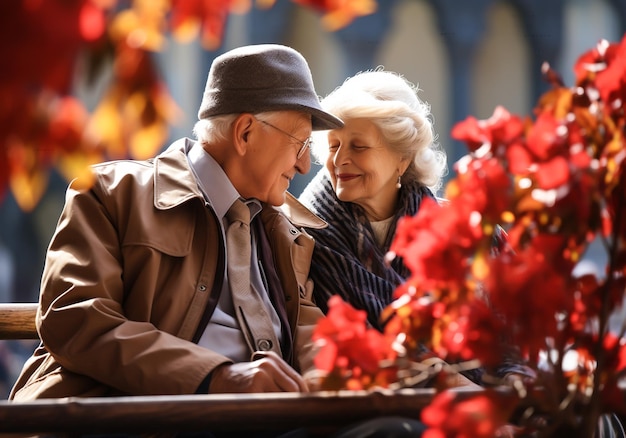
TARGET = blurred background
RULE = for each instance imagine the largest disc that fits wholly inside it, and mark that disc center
(467, 56)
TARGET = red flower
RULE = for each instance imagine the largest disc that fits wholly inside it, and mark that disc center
(500, 128)
(606, 63)
(481, 416)
(545, 139)
(482, 187)
(615, 348)
(434, 239)
(474, 332)
(529, 290)
(347, 346)
(587, 302)
(413, 316)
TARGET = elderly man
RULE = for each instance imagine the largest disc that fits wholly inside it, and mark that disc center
(137, 292)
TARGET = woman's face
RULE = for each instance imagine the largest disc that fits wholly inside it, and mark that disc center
(363, 169)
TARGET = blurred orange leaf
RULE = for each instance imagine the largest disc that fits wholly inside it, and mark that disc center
(187, 30)
(143, 26)
(340, 13)
(480, 267)
(106, 125)
(147, 141)
(77, 166)
(28, 179)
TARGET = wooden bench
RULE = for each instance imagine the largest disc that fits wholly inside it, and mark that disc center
(320, 411)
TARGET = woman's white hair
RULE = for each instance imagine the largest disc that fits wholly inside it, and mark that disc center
(391, 103)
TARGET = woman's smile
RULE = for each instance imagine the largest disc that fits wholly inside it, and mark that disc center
(344, 177)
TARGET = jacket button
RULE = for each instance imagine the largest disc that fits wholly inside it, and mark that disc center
(293, 231)
(264, 344)
(202, 287)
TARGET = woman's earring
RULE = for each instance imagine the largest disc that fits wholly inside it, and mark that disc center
(399, 184)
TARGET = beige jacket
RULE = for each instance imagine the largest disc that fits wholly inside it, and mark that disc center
(129, 274)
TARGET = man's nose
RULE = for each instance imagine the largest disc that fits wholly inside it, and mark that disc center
(303, 164)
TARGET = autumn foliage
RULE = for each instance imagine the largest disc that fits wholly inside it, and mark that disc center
(554, 181)
(50, 45)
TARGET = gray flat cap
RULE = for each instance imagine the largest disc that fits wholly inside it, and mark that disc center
(263, 77)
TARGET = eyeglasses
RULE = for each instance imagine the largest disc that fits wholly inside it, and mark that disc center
(305, 144)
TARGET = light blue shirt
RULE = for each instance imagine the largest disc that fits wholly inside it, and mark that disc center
(223, 334)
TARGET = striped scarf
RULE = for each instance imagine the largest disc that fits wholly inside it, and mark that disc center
(347, 261)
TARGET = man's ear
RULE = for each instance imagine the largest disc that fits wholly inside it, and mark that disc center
(242, 130)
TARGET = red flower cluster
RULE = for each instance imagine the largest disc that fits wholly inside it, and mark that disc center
(435, 239)
(555, 183)
(349, 351)
(479, 417)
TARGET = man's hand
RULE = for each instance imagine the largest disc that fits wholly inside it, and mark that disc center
(451, 380)
(267, 373)
(458, 380)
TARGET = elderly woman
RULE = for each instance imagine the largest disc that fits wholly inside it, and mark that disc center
(378, 168)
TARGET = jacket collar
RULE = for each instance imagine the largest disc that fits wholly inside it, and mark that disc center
(299, 215)
(174, 181)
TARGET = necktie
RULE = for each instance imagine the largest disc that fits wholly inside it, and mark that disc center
(250, 311)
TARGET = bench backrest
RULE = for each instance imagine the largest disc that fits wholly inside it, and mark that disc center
(17, 321)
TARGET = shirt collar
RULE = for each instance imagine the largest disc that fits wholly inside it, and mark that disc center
(215, 184)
